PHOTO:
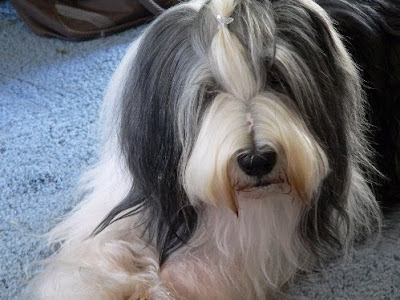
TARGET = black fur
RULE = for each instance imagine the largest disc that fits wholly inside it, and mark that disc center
(149, 140)
(371, 31)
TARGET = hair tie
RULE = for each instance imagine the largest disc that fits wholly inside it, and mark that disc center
(223, 21)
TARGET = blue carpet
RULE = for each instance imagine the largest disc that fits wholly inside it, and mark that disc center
(50, 91)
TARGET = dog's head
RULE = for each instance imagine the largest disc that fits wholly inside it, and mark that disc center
(214, 110)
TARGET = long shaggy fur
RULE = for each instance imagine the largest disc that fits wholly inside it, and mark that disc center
(168, 213)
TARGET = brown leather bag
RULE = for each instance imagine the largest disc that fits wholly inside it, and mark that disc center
(86, 19)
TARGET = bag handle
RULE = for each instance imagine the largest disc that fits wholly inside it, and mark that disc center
(152, 6)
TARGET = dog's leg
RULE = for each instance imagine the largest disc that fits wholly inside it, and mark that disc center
(115, 264)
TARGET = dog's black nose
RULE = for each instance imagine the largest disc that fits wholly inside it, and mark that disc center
(257, 164)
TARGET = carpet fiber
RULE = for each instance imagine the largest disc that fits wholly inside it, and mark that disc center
(50, 92)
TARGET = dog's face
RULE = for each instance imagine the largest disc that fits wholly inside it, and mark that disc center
(253, 137)
(215, 113)
(250, 148)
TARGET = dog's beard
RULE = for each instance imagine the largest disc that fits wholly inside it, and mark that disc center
(231, 127)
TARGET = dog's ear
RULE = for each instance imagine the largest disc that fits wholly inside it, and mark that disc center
(148, 133)
(154, 86)
(312, 67)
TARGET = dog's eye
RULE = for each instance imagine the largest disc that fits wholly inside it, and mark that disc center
(273, 80)
(276, 81)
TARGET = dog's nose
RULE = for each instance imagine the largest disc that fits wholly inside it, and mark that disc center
(257, 164)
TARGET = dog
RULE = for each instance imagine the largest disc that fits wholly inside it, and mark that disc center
(243, 141)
